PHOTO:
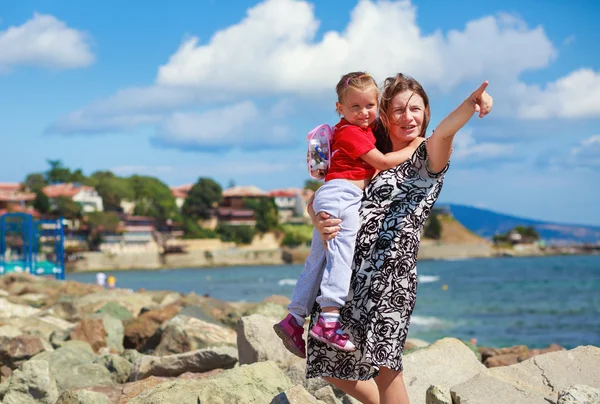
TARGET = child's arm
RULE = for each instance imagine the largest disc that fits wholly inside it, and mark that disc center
(380, 161)
(439, 145)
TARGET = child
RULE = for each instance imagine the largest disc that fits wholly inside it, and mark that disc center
(354, 161)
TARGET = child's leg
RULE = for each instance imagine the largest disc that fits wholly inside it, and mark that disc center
(343, 202)
(335, 282)
(307, 287)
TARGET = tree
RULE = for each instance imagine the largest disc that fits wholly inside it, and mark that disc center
(41, 203)
(113, 190)
(204, 196)
(65, 206)
(312, 184)
(57, 173)
(433, 227)
(153, 198)
(35, 182)
(265, 210)
(77, 177)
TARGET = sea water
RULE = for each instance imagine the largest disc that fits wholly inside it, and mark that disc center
(500, 302)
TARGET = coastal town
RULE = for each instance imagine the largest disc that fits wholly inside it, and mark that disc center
(113, 222)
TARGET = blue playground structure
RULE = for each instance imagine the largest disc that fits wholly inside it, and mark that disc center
(31, 245)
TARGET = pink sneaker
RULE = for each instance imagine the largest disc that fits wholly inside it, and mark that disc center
(332, 334)
(291, 334)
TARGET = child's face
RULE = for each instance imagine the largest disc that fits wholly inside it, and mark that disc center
(359, 107)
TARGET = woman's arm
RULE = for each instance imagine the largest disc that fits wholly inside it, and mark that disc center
(439, 145)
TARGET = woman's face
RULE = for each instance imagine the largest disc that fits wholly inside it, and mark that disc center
(407, 113)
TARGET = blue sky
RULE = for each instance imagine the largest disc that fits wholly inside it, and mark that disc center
(228, 90)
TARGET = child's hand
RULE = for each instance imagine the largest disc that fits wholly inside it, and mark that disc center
(482, 100)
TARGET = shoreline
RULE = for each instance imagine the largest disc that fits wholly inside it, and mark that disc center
(297, 261)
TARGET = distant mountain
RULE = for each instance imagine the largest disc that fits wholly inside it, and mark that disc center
(486, 223)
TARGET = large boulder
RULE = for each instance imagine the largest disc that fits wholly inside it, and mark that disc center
(9, 309)
(202, 360)
(17, 350)
(73, 366)
(140, 333)
(33, 383)
(257, 342)
(183, 333)
(536, 380)
(256, 383)
(444, 363)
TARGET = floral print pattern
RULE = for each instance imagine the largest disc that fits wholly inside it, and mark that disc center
(383, 289)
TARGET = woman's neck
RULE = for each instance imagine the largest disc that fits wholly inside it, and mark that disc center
(399, 145)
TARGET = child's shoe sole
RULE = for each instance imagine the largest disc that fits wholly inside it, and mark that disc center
(287, 341)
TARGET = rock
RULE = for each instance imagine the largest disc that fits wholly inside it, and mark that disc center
(140, 333)
(296, 395)
(579, 394)
(169, 298)
(257, 341)
(9, 309)
(326, 395)
(73, 366)
(32, 383)
(202, 360)
(15, 351)
(9, 331)
(296, 371)
(133, 302)
(268, 309)
(42, 326)
(536, 380)
(444, 363)
(256, 383)
(131, 355)
(438, 395)
(346, 399)
(116, 310)
(183, 333)
(120, 368)
(115, 332)
(90, 330)
(82, 397)
(278, 299)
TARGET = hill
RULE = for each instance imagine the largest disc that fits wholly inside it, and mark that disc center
(486, 223)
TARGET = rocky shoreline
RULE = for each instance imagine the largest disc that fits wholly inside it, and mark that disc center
(65, 342)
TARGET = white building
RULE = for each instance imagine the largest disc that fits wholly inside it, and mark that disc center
(86, 196)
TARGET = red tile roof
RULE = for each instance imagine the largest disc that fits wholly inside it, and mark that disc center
(181, 191)
(11, 192)
(249, 190)
(68, 190)
(285, 192)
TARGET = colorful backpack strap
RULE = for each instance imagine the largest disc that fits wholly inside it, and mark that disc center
(319, 151)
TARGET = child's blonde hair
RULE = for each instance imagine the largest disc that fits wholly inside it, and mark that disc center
(359, 80)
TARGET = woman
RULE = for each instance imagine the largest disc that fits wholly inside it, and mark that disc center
(384, 281)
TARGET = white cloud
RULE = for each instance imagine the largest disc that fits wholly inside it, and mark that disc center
(44, 41)
(587, 154)
(576, 95)
(275, 49)
(242, 125)
(466, 148)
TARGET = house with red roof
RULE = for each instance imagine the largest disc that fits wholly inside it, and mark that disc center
(180, 193)
(233, 211)
(86, 196)
(13, 198)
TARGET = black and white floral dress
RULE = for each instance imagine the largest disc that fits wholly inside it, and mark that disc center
(384, 280)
